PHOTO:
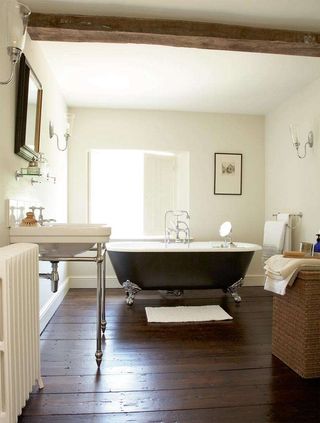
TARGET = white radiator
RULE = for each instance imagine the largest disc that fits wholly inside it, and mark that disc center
(19, 328)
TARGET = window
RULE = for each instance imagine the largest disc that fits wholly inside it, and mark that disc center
(132, 189)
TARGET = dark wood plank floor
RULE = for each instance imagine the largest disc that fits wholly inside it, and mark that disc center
(200, 373)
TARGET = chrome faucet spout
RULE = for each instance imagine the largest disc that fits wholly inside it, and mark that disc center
(176, 226)
(41, 219)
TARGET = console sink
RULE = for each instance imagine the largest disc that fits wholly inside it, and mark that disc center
(61, 239)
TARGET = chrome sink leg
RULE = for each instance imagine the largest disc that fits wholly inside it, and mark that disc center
(99, 353)
(233, 290)
(103, 312)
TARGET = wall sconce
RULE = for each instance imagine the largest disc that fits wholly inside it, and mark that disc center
(296, 143)
(16, 17)
(67, 134)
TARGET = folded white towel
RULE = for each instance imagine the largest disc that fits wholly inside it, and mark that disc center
(284, 266)
(278, 286)
(273, 238)
(282, 271)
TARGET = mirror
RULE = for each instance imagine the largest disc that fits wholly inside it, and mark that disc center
(28, 115)
(225, 229)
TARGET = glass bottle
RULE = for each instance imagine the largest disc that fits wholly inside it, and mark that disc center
(316, 247)
(43, 164)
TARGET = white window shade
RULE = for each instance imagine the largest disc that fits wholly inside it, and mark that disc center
(131, 190)
(116, 191)
(159, 190)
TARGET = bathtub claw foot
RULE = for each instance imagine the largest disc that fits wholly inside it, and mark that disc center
(233, 290)
(131, 290)
(236, 297)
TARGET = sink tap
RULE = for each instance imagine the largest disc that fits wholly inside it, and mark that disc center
(41, 220)
(40, 217)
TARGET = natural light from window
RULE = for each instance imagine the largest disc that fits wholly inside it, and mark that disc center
(131, 190)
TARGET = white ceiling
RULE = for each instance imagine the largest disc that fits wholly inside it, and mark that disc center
(168, 78)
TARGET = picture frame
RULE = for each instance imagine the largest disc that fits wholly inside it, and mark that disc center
(227, 174)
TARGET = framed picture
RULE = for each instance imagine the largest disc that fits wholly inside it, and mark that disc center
(227, 174)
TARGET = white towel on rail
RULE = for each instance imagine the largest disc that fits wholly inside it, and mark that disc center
(285, 217)
(273, 238)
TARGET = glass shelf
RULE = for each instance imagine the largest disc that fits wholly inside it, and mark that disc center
(36, 178)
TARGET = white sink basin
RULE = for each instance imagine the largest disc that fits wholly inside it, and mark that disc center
(61, 239)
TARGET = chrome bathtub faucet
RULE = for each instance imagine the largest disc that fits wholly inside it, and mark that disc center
(177, 224)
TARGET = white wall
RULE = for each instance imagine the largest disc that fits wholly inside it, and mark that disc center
(292, 184)
(52, 197)
(201, 134)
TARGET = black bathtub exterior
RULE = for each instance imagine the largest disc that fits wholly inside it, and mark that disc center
(181, 270)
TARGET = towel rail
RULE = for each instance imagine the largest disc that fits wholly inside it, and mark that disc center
(300, 214)
(292, 227)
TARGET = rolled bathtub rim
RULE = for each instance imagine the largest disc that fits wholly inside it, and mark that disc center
(194, 246)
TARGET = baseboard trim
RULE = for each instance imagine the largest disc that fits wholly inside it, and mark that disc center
(50, 307)
(254, 280)
(112, 281)
(91, 282)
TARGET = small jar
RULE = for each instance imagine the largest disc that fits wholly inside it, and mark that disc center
(33, 167)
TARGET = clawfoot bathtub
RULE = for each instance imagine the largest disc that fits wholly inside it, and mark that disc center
(174, 267)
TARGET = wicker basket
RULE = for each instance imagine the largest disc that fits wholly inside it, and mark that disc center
(296, 325)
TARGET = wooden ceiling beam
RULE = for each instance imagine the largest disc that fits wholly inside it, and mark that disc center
(202, 35)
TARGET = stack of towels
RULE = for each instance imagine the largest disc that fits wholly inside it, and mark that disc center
(281, 271)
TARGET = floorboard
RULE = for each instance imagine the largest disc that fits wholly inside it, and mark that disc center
(209, 372)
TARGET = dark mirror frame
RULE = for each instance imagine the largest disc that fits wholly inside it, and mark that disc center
(20, 147)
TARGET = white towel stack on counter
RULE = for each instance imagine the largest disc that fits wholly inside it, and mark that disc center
(281, 271)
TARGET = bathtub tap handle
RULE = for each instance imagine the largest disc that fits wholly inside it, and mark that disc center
(176, 225)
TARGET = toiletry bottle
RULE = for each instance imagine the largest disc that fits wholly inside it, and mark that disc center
(43, 165)
(316, 247)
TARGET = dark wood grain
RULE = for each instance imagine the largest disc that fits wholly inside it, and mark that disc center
(296, 413)
(178, 399)
(200, 373)
(178, 33)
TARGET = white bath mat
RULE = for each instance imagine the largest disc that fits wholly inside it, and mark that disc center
(186, 314)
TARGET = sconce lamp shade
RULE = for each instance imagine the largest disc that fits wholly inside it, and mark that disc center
(69, 123)
(67, 133)
(294, 135)
(17, 22)
(296, 143)
(14, 21)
